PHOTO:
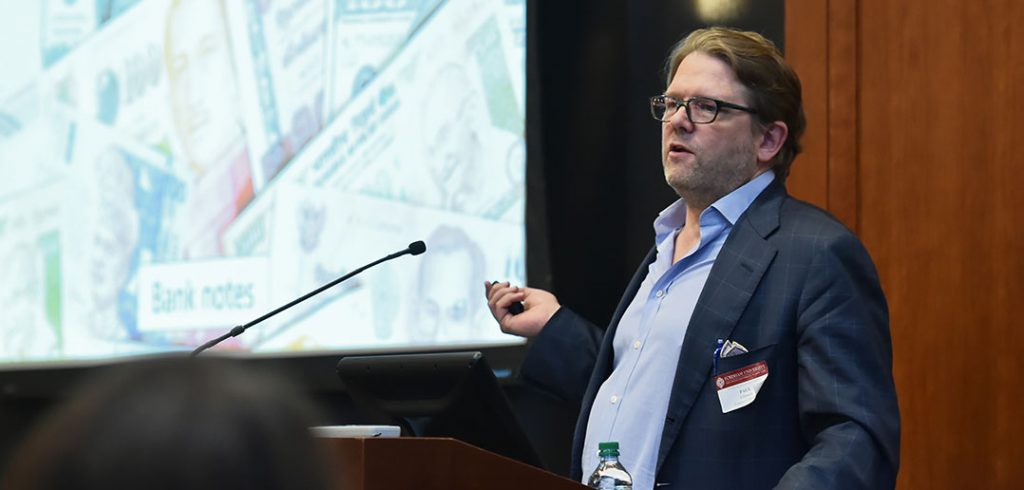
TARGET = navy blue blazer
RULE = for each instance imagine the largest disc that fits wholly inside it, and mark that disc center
(799, 290)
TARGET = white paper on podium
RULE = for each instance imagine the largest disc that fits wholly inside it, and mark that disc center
(356, 431)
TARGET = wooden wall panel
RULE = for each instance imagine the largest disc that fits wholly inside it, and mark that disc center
(843, 179)
(939, 101)
(940, 108)
(821, 44)
(807, 52)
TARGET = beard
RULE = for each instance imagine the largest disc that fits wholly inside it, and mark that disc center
(709, 176)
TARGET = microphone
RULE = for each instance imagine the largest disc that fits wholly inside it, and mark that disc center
(414, 248)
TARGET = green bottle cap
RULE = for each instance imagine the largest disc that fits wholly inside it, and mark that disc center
(601, 446)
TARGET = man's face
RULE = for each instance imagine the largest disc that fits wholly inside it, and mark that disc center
(202, 83)
(704, 162)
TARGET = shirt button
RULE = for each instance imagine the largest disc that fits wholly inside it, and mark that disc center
(660, 293)
(636, 345)
(614, 399)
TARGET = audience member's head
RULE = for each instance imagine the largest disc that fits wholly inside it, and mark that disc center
(172, 424)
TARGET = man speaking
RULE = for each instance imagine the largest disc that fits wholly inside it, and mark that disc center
(752, 348)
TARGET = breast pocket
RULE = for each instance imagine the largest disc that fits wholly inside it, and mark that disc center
(733, 363)
(738, 380)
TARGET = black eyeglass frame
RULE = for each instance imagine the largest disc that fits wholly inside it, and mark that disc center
(685, 103)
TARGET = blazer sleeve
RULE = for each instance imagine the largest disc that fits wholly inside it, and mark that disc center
(561, 358)
(847, 399)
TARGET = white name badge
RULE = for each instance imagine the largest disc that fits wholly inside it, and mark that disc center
(737, 389)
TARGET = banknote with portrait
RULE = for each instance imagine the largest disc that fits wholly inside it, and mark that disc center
(161, 74)
(122, 209)
(441, 126)
(320, 234)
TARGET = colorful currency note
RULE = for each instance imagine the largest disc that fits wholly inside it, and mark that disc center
(162, 74)
(279, 48)
(31, 326)
(118, 76)
(122, 210)
(440, 126)
(362, 36)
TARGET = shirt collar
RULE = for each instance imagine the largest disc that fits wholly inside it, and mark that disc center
(731, 206)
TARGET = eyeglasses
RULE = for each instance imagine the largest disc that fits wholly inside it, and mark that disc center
(699, 110)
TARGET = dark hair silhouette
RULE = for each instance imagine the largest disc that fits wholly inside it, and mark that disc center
(175, 423)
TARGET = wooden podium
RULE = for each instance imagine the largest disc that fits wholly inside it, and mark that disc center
(433, 463)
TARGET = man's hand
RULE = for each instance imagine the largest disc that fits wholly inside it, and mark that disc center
(539, 306)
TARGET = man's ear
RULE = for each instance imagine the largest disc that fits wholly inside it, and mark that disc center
(773, 135)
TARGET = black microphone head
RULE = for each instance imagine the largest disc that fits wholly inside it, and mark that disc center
(417, 248)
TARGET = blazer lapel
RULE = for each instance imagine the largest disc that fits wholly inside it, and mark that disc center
(741, 263)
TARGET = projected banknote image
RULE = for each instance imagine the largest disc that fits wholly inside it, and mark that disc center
(162, 74)
(33, 140)
(449, 102)
(361, 36)
(30, 261)
(442, 311)
(205, 109)
(177, 167)
(40, 33)
(122, 209)
(280, 55)
(321, 233)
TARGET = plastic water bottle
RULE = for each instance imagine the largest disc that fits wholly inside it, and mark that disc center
(610, 475)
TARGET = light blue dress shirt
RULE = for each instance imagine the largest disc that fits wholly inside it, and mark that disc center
(632, 403)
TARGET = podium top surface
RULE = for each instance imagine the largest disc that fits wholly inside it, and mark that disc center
(433, 462)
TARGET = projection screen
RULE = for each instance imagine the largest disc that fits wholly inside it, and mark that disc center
(171, 168)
